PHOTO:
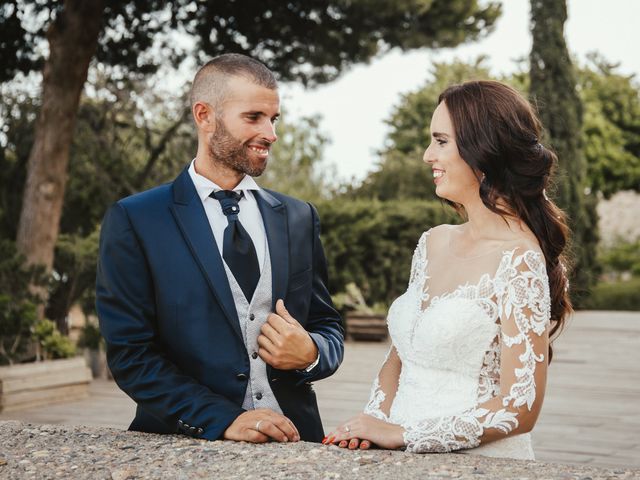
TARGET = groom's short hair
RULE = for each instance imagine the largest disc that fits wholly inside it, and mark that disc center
(210, 83)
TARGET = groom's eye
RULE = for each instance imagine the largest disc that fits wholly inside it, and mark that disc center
(252, 116)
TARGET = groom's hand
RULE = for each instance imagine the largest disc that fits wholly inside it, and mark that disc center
(261, 425)
(284, 343)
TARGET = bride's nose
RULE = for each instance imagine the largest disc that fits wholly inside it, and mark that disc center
(428, 156)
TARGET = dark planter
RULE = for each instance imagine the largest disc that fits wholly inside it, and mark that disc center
(366, 326)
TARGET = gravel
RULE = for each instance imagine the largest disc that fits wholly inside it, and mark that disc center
(63, 451)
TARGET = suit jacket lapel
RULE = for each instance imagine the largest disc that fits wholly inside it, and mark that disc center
(274, 217)
(192, 220)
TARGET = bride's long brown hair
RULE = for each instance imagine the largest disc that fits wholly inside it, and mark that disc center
(498, 136)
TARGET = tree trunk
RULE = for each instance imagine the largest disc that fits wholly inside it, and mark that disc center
(73, 38)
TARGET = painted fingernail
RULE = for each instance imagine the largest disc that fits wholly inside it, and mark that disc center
(342, 444)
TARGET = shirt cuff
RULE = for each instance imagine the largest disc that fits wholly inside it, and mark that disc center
(313, 365)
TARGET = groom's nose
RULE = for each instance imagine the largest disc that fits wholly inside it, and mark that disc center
(268, 131)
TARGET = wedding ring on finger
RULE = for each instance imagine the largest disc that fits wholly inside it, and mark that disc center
(258, 425)
(347, 429)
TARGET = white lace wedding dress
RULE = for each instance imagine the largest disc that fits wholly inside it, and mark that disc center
(468, 358)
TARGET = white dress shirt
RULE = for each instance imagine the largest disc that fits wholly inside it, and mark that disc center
(249, 215)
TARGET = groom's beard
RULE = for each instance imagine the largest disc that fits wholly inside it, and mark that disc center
(224, 148)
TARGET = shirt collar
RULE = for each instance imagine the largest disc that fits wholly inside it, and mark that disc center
(204, 186)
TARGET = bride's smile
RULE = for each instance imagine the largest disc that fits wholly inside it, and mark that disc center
(455, 180)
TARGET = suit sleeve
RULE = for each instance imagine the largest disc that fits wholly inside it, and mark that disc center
(323, 323)
(126, 307)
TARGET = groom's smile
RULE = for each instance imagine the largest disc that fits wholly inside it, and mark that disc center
(247, 118)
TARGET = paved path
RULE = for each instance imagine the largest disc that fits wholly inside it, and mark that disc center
(591, 413)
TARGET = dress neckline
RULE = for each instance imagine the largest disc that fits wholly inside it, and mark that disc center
(425, 295)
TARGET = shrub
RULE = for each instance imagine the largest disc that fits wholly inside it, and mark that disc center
(16, 318)
(371, 243)
(18, 305)
(52, 342)
(621, 295)
(622, 257)
(91, 337)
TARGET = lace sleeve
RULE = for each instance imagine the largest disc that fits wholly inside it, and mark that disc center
(524, 309)
(384, 387)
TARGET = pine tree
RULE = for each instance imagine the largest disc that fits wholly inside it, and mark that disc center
(553, 90)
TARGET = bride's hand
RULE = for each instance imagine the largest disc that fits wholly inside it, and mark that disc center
(363, 428)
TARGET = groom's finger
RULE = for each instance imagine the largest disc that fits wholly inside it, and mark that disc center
(265, 343)
(266, 356)
(284, 313)
(278, 323)
(271, 333)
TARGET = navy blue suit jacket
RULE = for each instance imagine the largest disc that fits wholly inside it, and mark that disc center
(167, 314)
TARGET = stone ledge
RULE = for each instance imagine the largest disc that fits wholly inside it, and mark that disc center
(55, 451)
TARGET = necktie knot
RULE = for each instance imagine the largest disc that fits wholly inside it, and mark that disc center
(229, 201)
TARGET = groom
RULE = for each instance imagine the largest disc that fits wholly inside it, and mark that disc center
(211, 291)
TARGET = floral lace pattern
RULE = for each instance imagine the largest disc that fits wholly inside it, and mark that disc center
(489, 381)
(450, 347)
(376, 397)
(446, 434)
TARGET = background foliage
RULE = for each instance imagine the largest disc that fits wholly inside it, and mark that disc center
(129, 137)
(371, 243)
(131, 134)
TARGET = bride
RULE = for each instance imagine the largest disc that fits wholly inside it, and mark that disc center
(470, 337)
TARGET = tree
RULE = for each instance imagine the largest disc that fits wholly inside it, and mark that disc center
(553, 89)
(401, 173)
(611, 140)
(611, 127)
(370, 243)
(311, 40)
(296, 166)
(119, 147)
(17, 303)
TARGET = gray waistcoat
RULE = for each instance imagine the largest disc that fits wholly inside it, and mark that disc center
(259, 393)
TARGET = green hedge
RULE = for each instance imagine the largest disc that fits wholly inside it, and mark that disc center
(622, 295)
(371, 243)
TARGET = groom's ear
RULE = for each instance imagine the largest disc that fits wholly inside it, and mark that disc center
(204, 116)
